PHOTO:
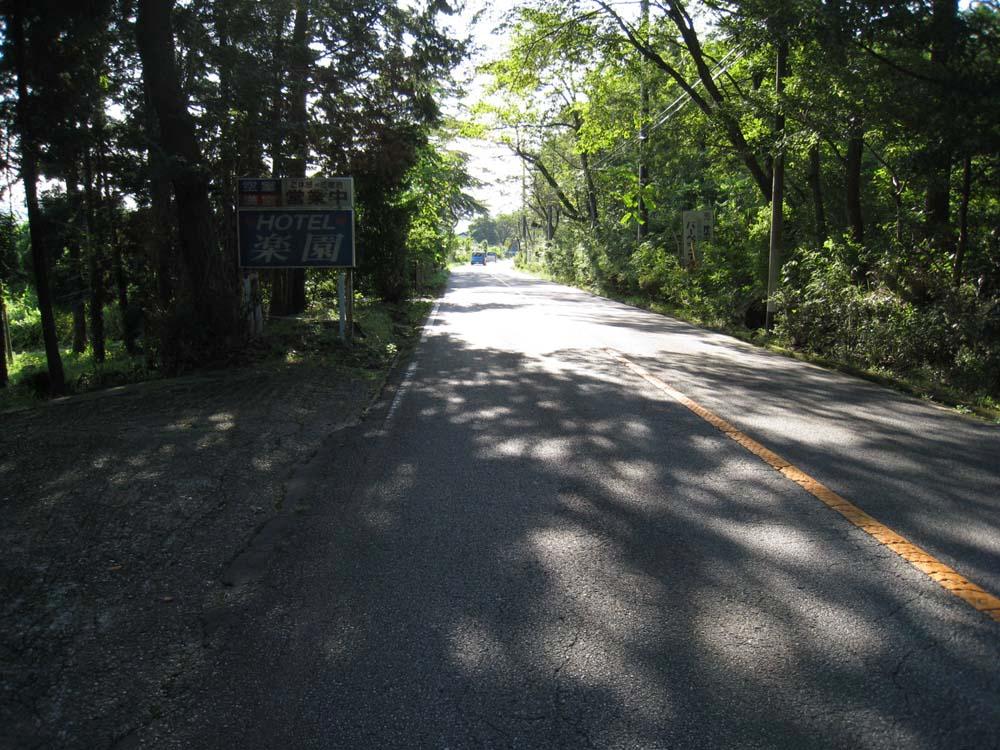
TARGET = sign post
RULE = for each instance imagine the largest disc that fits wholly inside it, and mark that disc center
(698, 227)
(294, 222)
(349, 273)
(342, 303)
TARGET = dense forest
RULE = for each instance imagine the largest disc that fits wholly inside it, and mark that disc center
(849, 153)
(128, 122)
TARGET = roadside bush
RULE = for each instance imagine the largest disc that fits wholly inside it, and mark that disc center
(381, 235)
(954, 337)
(615, 274)
(26, 323)
(729, 282)
(659, 275)
(558, 261)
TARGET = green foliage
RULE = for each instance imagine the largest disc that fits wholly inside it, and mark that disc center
(26, 324)
(381, 236)
(29, 379)
(406, 235)
(955, 339)
(24, 320)
(10, 252)
(437, 199)
(660, 277)
(278, 88)
(905, 285)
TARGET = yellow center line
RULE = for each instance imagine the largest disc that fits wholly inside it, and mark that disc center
(946, 577)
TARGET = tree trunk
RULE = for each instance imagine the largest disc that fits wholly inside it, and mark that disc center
(75, 257)
(816, 187)
(209, 281)
(95, 256)
(279, 294)
(897, 202)
(963, 220)
(777, 188)
(588, 177)
(161, 239)
(299, 134)
(536, 161)
(29, 176)
(126, 316)
(280, 303)
(6, 343)
(938, 201)
(229, 139)
(944, 14)
(129, 331)
(4, 377)
(852, 181)
(277, 102)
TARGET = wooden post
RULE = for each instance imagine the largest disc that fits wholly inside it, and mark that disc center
(251, 301)
(350, 306)
(258, 308)
(342, 303)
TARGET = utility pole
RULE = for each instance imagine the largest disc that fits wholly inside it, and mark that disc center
(777, 186)
(643, 228)
(524, 206)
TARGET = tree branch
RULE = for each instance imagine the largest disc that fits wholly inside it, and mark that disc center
(536, 162)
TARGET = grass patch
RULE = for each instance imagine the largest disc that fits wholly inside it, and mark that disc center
(29, 380)
(435, 284)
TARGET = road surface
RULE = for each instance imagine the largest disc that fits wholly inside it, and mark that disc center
(535, 544)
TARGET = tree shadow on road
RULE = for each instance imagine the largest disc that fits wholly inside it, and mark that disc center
(121, 514)
(550, 555)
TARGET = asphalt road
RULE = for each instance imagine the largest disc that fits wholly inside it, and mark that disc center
(530, 546)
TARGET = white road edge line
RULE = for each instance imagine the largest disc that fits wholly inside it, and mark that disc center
(404, 384)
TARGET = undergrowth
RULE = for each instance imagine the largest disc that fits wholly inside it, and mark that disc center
(382, 332)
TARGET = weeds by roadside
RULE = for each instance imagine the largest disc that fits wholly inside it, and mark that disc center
(382, 332)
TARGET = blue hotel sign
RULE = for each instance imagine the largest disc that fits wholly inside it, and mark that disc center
(296, 223)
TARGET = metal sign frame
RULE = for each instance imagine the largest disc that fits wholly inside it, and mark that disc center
(300, 222)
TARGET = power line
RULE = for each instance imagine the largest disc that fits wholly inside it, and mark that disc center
(721, 67)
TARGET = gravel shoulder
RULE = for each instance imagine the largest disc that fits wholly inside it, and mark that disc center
(132, 522)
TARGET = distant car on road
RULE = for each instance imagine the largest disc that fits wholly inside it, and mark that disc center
(491, 257)
(479, 257)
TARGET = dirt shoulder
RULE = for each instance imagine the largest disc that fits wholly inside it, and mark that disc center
(128, 518)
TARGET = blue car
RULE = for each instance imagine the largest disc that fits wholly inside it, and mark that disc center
(479, 258)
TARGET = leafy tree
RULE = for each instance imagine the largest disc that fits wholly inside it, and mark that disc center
(886, 131)
(436, 200)
(29, 33)
(153, 110)
(207, 306)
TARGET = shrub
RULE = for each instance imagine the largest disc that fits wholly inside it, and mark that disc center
(953, 335)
